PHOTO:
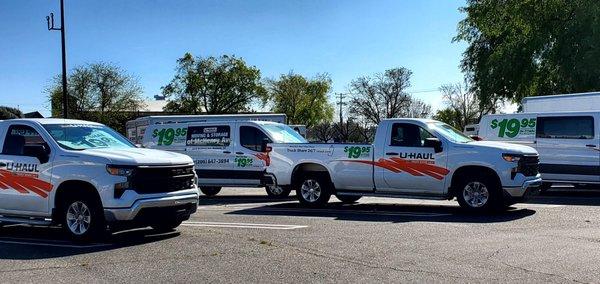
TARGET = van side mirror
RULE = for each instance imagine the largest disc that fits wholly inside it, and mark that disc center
(40, 151)
(263, 146)
(434, 143)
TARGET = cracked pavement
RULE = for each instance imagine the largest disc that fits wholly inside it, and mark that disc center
(243, 236)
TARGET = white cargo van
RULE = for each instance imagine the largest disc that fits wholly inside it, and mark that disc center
(136, 128)
(225, 153)
(568, 142)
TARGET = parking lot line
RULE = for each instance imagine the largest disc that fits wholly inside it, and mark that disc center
(243, 225)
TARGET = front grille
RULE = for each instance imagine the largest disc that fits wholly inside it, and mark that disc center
(529, 165)
(146, 180)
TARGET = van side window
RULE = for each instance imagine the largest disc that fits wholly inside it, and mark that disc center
(565, 127)
(408, 135)
(213, 135)
(252, 138)
(19, 138)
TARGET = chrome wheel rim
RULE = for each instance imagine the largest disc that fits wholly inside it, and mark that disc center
(79, 218)
(276, 190)
(476, 194)
(311, 190)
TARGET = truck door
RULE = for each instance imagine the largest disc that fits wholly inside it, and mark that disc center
(569, 148)
(25, 172)
(408, 165)
(249, 163)
(211, 148)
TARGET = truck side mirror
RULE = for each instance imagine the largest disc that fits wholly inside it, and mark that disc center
(39, 151)
(263, 147)
(434, 143)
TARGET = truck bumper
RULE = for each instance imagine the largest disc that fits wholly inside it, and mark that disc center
(529, 187)
(181, 206)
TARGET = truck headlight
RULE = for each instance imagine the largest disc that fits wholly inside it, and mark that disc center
(513, 158)
(119, 170)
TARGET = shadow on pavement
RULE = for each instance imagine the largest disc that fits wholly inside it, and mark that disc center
(373, 212)
(567, 196)
(29, 242)
(240, 199)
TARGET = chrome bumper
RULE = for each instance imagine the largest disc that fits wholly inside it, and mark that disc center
(128, 214)
(520, 191)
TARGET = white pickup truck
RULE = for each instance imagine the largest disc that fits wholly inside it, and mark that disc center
(414, 158)
(87, 178)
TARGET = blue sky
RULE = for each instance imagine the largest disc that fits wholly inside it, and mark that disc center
(345, 39)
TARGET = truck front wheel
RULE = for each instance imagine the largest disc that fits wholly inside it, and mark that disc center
(82, 218)
(313, 189)
(479, 194)
(210, 190)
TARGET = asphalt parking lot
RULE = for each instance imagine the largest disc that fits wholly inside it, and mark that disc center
(242, 236)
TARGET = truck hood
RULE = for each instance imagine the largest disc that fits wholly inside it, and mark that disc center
(138, 156)
(505, 147)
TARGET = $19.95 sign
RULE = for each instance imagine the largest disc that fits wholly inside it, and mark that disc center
(512, 127)
(166, 136)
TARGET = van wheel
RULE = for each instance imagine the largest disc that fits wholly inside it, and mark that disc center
(210, 190)
(479, 194)
(278, 191)
(348, 199)
(313, 189)
(82, 218)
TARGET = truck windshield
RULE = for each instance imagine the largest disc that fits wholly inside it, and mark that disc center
(86, 136)
(283, 134)
(450, 132)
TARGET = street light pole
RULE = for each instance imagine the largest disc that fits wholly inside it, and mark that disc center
(50, 20)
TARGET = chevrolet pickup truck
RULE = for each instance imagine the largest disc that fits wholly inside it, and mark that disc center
(87, 178)
(410, 158)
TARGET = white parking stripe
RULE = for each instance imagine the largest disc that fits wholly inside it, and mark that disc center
(243, 225)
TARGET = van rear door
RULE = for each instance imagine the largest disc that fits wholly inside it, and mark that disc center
(568, 147)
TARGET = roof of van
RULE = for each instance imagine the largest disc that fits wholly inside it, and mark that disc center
(588, 94)
(53, 121)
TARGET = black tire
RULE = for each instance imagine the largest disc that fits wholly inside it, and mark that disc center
(321, 189)
(210, 190)
(545, 186)
(348, 199)
(89, 224)
(166, 226)
(278, 191)
(486, 194)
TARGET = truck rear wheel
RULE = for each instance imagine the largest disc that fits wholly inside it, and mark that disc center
(210, 190)
(82, 218)
(313, 189)
(348, 199)
(479, 194)
(278, 191)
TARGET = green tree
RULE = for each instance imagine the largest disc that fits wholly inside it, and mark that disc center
(523, 48)
(213, 85)
(99, 92)
(9, 113)
(304, 101)
(449, 116)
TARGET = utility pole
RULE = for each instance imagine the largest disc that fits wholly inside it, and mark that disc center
(341, 103)
(50, 21)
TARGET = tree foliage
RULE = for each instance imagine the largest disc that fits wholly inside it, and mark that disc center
(9, 113)
(99, 92)
(527, 48)
(213, 85)
(463, 106)
(304, 101)
(384, 96)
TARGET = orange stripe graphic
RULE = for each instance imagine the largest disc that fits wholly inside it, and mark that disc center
(24, 184)
(398, 165)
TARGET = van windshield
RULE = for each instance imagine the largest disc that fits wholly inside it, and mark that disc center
(283, 134)
(450, 132)
(86, 136)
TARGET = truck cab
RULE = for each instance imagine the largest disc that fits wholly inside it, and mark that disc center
(86, 177)
(415, 158)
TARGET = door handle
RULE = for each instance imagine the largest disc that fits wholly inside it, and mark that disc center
(226, 152)
(590, 145)
(391, 154)
(239, 153)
